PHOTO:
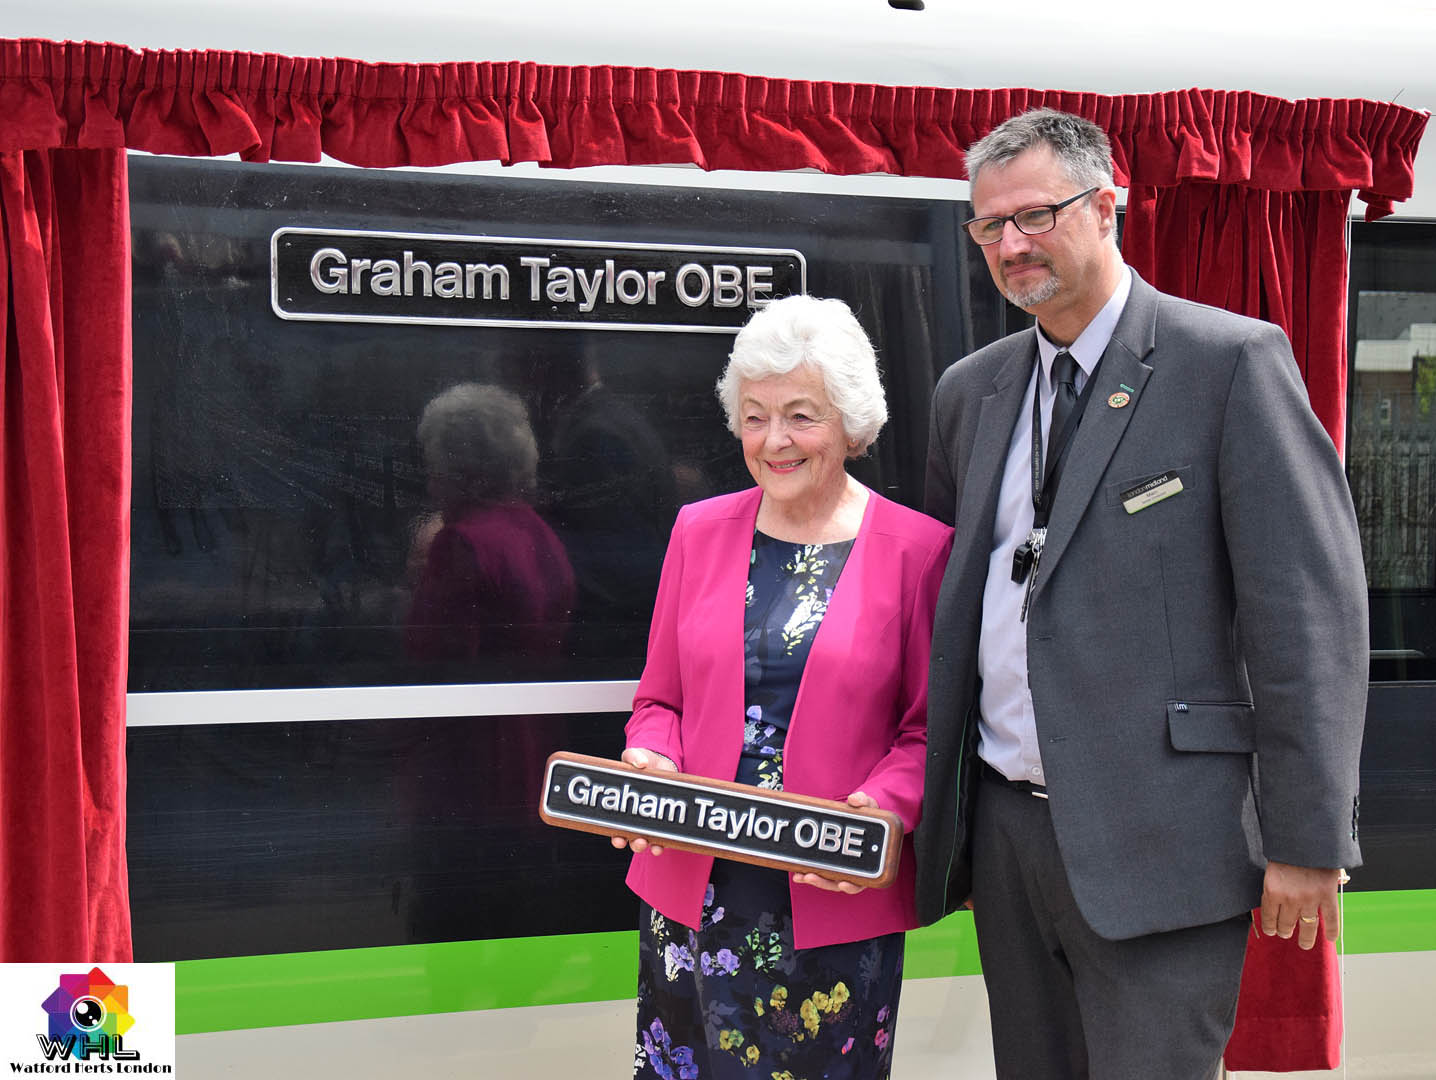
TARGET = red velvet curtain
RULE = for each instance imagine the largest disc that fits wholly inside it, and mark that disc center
(1274, 255)
(1236, 198)
(275, 108)
(64, 560)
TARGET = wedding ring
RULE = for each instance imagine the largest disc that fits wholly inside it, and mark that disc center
(1309, 919)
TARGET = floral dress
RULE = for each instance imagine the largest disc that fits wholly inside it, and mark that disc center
(732, 998)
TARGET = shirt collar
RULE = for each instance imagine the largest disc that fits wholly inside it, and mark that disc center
(1092, 342)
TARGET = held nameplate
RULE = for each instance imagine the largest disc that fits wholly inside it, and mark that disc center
(796, 833)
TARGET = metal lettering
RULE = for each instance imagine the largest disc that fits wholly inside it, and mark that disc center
(727, 286)
(534, 263)
(337, 280)
(760, 281)
(560, 285)
(624, 286)
(590, 287)
(392, 277)
(410, 266)
(490, 274)
(449, 280)
(384, 279)
(681, 283)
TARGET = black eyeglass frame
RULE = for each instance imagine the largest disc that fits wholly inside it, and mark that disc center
(1053, 207)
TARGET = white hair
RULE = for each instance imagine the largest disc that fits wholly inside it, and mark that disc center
(824, 336)
(476, 438)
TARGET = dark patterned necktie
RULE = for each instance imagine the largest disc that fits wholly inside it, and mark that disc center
(1064, 378)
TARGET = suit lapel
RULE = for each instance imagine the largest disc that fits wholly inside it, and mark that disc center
(1124, 370)
(977, 510)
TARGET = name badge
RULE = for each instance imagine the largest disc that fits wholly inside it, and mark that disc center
(796, 833)
(1151, 491)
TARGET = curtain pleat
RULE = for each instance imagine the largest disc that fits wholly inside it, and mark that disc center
(64, 558)
(1274, 255)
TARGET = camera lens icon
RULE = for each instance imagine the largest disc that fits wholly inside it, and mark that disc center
(87, 1014)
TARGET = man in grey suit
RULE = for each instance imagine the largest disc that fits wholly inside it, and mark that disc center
(1149, 660)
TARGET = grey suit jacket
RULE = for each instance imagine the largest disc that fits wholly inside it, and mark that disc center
(1198, 668)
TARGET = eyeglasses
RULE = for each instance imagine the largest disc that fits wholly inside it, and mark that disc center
(1032, 221)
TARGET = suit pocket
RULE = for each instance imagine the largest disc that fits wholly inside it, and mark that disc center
(1220, 727)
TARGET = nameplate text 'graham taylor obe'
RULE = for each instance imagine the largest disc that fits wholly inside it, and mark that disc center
(797, 833)
(349, 275)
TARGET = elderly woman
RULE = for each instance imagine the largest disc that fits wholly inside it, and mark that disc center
(789, 649)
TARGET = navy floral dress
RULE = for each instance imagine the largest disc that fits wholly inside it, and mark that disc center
(732, 998)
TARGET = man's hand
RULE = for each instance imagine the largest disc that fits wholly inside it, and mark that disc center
(643, 759)
(859, 799)
(1300, 899)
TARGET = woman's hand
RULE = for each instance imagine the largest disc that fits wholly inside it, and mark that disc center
(851, 888)
(643, 759)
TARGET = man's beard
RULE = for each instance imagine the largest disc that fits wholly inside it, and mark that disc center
(1036, 294)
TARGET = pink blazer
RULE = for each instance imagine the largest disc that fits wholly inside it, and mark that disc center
(860, 720)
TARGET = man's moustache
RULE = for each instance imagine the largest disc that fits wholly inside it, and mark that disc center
(1030, 260)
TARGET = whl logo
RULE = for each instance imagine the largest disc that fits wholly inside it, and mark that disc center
(88, 1017)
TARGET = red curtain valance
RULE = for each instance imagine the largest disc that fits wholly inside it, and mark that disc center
(266, 107)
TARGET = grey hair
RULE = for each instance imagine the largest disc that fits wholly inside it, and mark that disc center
(825, 336)
(477, 441)
(1080, 145)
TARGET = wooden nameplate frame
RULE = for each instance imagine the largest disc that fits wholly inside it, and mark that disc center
(796, 833)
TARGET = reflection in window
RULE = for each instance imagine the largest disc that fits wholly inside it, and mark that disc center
(490, 577)
(1393, 419)
(1391, 444)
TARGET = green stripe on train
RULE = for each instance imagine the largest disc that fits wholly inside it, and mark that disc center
(407, 980)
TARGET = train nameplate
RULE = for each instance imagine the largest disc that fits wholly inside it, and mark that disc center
(371, 276)
(797, 833)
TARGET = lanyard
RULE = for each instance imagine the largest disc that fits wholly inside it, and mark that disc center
(1044, 482)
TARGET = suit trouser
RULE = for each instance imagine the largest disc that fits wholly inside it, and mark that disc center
(1067, 1004)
